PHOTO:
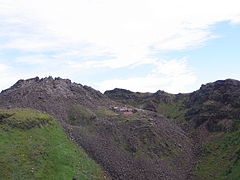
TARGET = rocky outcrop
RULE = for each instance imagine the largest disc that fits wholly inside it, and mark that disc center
(148, 101)
(217, 105)
(54, 96)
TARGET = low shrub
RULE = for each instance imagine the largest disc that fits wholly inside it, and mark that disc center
(80, 115)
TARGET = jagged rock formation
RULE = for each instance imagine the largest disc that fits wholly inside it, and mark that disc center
(50, 95)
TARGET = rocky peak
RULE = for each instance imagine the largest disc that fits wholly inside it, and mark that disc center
(215, 104)
(52, 95)
(223, 91)
(118, 91)
(33, 81)
(221, 85)
(21, 83)
(163, 97)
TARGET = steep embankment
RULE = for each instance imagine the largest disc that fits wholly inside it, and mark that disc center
(34, 146)
(139, 145)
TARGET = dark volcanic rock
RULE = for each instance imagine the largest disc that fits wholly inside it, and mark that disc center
(217, 105)
(54, 96)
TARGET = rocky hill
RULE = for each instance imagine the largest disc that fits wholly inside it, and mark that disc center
(210, 116)
(144, 135)
(50, 95)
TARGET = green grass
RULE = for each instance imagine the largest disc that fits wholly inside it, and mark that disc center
(80, 115)
(236, 124)
(105, 112)
(173, 111)
(40, 151)
(24, 118)
(221, 159)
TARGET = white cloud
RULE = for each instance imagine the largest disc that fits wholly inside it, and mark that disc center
(5, 76)
(4, 68)
(30, 45)
(172, 76)
(90, 34)
(173, 67)
(125, 26)
(236, 19)
(34, 59)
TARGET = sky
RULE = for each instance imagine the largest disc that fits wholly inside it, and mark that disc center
(140, 45)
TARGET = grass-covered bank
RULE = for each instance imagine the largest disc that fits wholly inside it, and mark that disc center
(220, 159)
(34, 146)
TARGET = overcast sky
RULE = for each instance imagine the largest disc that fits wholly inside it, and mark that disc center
(141, 45)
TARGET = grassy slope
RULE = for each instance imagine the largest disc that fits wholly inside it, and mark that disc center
(220, 159)
(173, 111)
(34, 146)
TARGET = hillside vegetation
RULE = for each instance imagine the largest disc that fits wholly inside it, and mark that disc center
(220, 159)
(34, 146)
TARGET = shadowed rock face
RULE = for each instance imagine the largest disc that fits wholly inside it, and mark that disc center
(143, 145)
(216, 105)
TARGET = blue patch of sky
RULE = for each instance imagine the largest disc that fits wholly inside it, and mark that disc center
(218, 58)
